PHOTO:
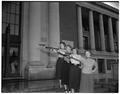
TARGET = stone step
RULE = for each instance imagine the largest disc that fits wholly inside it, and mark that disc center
(36, 86)
(25, 86)
(28, 86)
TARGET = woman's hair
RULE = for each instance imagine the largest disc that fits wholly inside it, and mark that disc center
(76, 49)
(69, 46)
(63, 43)
(87, 51)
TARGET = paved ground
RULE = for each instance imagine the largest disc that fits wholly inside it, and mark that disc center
(48, 86)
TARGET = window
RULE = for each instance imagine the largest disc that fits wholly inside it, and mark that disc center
(85, 25)
(10, 15)
(106, 32)
(116, 46)
(97, 31)
(85, 41)
(101, 66)
(85, 18)
(115, 34)
(110, 62)
(11, 39)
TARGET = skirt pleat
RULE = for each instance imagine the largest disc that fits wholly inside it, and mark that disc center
(75, 76)
(87, 85)
(65, 73)
(59, 68)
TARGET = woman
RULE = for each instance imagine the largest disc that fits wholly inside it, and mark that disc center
(75, 71)
(60, 61)
(89, 67)
(66, 68)
(61, 52)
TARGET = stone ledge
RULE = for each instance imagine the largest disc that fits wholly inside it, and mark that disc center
(25, 86)
(39, 72)
(41, 85)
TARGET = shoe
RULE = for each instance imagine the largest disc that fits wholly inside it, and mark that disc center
(61, 86)
(66, 91)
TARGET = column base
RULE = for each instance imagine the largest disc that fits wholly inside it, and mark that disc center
(39, 71)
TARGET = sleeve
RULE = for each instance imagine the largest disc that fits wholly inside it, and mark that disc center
(82, 59)
(54, 51)
(81, 66)
(71, 59)
(94, 66)
(61, 51)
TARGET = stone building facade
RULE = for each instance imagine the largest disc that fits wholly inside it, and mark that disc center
(89, 26)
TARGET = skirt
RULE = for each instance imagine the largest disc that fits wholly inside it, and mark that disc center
(65, 73)
(59, 68)
(87, 85)
(75, 77)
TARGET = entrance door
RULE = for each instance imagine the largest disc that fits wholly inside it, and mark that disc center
(11, 39)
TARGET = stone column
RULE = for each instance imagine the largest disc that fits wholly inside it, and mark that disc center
(34, 31)
(38, 66)
(54, 28)
(117, 32)
(117, 29)
(25, 32)
(80, 30)
(102, 32)
(91, 26)
(54, 24)
(111, 40)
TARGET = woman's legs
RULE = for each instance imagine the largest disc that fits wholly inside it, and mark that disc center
(87, 84)
(60, 83)
(65, 74)
(91, 83)
(74, 78)
(72, 90)
(59, 70)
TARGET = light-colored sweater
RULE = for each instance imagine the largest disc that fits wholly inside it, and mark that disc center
(88, 65)
(62, 52)
(78, 57)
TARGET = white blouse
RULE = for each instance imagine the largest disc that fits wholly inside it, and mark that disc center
(62, 52)
(75, 62)
(88, 65)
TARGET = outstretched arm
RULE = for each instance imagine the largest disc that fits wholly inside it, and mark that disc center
(51, 49)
